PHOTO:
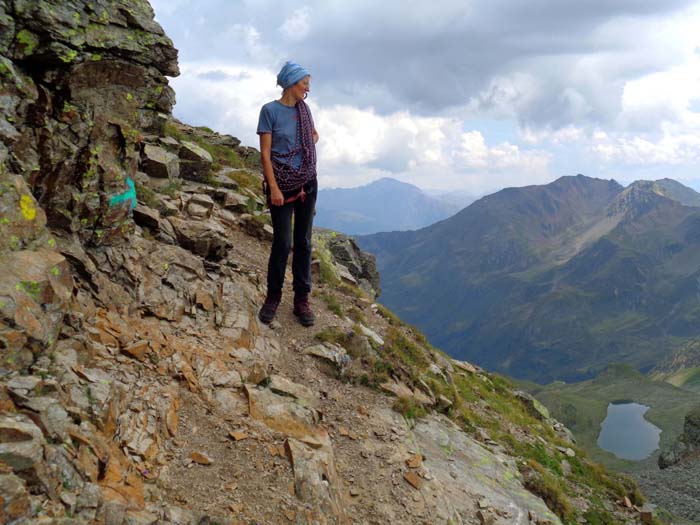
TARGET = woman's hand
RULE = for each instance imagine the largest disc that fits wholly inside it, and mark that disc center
(276, 196)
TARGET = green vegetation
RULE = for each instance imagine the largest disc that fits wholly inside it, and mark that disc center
(409, 409)
(31, 288)
(551, 490)
(332, 304)
(29, 40)
(328, 274)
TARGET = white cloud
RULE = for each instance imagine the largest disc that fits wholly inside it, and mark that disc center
(297, 26)
(581, 87)
(668, 150)
(224, 97)
(359, 145)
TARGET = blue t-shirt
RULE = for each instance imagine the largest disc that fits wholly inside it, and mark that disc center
(281, 121)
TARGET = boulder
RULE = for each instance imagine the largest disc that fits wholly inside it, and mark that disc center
(147, 217)
(316, 481)
(195, 162)
(203, 238)
(224, 180)
(160, 163)
(14, 499)
(199, 206)
(21, 442)
(361, 265)
(255, 227)
(35, 290)
(535, 408)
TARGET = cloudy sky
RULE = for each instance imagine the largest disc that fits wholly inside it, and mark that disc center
(468, 95)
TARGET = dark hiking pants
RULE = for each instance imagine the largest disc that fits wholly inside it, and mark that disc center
(303, 212)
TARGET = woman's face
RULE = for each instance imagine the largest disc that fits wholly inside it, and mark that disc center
(301, 88)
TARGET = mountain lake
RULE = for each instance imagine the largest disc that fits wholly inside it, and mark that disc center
(626, 433)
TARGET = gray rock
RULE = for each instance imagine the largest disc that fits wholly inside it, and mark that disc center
(256, 227)
(169, 142)
(14, 499)
(481, 474)
(535, 408)
(147, 217)
(195, 163)
(23, 384)
(200, 206)
(89, 498)
(21, 442)
(160, 163)
(361, 265)
(223, 179)
(203, 238)
(62, 465)
(334, 354)
(316, 481)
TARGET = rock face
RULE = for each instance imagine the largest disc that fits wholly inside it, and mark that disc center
(36, 281)
(687, 443)
(353, 265)
(81, 81)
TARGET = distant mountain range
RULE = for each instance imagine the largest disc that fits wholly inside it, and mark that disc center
(555, 281)
(384, 205)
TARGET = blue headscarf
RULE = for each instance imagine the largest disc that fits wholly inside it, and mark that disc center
(290, 74)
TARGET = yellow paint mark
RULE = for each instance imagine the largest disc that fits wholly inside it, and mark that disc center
(26, 204)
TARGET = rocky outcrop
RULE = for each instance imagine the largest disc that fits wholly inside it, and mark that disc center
(687, 444)
(36, 281)
(351, 264)
(81, 83)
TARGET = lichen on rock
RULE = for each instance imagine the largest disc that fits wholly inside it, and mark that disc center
(73, 122)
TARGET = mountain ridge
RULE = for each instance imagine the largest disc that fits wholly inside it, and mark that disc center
(520, 280)
(383, 205)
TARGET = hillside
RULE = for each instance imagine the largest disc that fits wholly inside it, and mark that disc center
(383, 205)
(551, 282)
(137, 385)
(583, 407)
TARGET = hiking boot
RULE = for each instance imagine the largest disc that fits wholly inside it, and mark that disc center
(303, 311)
(269, 309)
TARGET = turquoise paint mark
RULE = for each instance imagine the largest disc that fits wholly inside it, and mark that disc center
(128, 195)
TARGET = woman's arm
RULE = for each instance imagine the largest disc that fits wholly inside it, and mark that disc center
(276, 196)
(315, 136)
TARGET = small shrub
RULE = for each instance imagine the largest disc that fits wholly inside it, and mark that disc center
(146, 195)
(409, 409)
(331, 334)
(598, 517)
(171, 130)
(546, 486)
(397, 345)
(388, 315)
(332, 304)
(539, 454)
(356, 315)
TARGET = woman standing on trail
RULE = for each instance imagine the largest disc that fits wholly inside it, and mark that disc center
(288, 152)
